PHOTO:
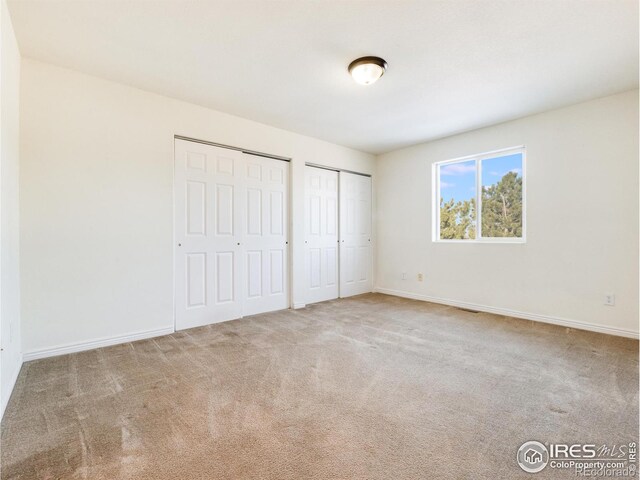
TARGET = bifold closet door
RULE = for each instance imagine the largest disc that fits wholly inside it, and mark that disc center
(231, 216)
(355, 235)
(321, 234)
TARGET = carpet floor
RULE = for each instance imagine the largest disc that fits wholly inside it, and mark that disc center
(370, 387)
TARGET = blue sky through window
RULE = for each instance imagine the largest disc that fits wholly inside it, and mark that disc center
(458, 180)
(493, 169)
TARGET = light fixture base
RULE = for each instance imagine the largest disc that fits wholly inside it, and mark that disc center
(366, 70)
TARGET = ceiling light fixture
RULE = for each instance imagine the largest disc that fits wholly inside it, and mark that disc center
(366, 70)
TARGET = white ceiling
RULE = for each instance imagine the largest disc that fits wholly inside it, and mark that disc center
(453, 65)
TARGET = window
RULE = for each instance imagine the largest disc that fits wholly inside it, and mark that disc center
(480, 198)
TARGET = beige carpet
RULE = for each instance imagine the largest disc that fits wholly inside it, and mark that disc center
(372, 387)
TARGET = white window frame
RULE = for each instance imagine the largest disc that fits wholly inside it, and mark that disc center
(435, 188)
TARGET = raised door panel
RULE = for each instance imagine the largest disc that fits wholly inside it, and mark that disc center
(225, 206)
(254, 211)
(314, 256)
(196, 207)
(276, 214)
(196, 280)
(277, 271)
(331, 266)
(331, 217)
(254, 273)
(225, 291)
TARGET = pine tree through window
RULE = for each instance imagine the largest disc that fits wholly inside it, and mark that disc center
(481, 198)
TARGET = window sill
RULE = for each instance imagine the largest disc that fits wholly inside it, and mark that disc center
(486, 241)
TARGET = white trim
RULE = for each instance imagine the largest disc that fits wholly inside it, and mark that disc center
(486, 240)
(289, 240)
(479, 193)
(173, 237)
(435, 202)
(564, 322)
(12, 385)
(482, 156)
(90, 345)
(297, 306)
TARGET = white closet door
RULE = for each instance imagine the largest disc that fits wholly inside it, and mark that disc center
(265, 247)
(355, 235)
(208, 206)
(321, 234)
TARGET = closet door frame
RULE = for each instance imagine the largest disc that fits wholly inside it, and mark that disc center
(289, 223)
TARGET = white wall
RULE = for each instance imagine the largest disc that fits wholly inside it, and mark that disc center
(582, 221)
(96, 202)
(11, 357)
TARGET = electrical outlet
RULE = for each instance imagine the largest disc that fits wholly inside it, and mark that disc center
(609, 299)
(420, 277)
(404, 275)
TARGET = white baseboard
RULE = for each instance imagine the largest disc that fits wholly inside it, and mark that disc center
(90, 345)
(12, 385)
(297, 306)
(621, 332)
